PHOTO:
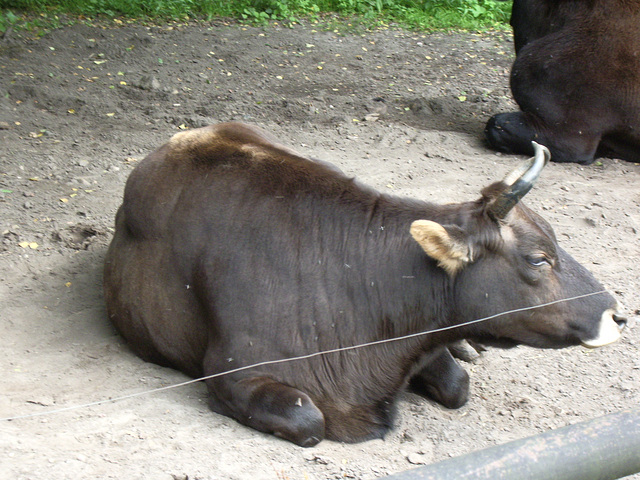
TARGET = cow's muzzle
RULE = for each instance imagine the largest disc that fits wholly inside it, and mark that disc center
(611, 326)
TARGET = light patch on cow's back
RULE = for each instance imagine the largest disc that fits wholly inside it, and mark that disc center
(253, 142)
(261, 153)
(188, 139)
(255, 152)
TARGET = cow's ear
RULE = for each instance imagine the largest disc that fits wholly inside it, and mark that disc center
(444, 244)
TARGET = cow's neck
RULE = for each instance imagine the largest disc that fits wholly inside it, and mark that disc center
(406, 293)
(384, 288)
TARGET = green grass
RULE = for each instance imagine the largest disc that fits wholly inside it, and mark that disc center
(475, 15)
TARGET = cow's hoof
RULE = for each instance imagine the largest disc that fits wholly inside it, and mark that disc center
(466, 350)
(269, 406)
(509, 133)
(513, 133)
(287, 413)
(453, 393)
(304, 426)
(442, 380)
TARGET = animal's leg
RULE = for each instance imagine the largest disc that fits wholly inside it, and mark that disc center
(513, 133)
(442, 380)
(466, 350)
(618, 146)
(268, 406)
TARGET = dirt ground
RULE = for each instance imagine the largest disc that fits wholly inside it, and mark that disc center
(403, 111)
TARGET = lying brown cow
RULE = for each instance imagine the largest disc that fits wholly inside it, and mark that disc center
(231, 250)
(576, 79)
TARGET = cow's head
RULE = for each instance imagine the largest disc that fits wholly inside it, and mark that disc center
(501, 256)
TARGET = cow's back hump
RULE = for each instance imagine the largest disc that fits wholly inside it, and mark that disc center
(196, 159)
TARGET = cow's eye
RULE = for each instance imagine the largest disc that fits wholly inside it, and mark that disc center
(538, 260)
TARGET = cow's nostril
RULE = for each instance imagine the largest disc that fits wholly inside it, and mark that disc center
(620, 320)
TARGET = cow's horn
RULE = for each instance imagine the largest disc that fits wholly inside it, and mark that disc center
(520, 182)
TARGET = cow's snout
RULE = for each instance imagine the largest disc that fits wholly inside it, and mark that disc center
(609, 330)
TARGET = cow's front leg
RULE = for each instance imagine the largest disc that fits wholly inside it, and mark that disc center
(513, 133)
(442, 379)
(268, 406)
(466, 350)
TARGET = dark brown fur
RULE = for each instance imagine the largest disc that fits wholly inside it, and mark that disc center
(576, 79)
(232, 250)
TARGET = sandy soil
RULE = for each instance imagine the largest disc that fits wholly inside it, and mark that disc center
(404, 112)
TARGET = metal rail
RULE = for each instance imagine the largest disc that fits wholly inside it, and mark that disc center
(606, 448)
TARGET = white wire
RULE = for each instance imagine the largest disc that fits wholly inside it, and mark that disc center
(291, 359)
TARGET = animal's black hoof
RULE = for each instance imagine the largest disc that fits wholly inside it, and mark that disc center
(509, 133)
